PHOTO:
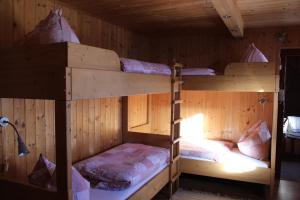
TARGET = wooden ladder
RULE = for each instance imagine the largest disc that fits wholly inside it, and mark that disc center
(176, 86)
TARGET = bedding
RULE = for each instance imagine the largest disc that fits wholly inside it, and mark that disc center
(253, 54)
(137, 66)
(198, 72)
(42, 172)
(256, 142)
(204, 148)
(53, 29)
(229, 157)
(122, 166)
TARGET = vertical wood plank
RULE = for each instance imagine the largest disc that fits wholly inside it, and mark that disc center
(49, 129)
(30, 111)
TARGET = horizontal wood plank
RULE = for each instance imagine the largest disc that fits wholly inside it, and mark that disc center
(213, 169)
(100, 83)
(232, 83)
(250, 69)
(83, 56)
(147, 138)
(151, 188)
(33, 83)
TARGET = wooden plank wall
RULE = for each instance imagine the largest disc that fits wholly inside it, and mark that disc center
(213, 48)
(223, 115)
(96, 123)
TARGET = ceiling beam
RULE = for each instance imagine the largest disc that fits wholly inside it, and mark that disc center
(231, 16)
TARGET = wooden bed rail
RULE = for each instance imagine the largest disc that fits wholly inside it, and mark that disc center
(238, 77)
(148, 139)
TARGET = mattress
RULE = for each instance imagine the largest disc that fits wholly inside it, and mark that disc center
(96, 194)
(233, 157)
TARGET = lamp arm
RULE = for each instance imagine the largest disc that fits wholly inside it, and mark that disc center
(16, 131)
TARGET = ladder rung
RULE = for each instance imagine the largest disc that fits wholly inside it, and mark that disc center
(178, 101)
(176, 140)
(178, 65)
(177, 121)
(175, 159)
(177, 81)
(174, 178)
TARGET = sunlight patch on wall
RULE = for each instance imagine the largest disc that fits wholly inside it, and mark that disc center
(192, 128)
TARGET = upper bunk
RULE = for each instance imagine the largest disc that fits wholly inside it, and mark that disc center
(238, 77)
(68, 71)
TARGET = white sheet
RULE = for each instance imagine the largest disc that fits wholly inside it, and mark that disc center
(235, 156)
(96, 194)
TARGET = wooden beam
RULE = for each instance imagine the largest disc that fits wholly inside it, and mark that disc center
(231, 16)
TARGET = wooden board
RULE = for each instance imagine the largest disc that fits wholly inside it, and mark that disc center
(151, 188)
(147, 138)
(250, 69)
(99, 83)
(232, 83)
(213, 169)
(231, 16)
(60, 55)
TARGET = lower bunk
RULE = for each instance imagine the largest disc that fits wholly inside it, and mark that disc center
(128, 171)
(230, 164)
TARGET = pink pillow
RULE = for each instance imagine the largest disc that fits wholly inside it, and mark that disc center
(254, 55)
(53, 29)
(256, 141)
(42, 172)
(78, 182)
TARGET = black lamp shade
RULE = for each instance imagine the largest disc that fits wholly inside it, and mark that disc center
(22, 149)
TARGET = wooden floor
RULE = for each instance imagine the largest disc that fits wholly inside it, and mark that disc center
(203, 190)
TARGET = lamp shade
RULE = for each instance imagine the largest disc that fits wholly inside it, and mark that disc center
(22, 149)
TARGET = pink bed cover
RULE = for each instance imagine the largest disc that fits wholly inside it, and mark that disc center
(122, 166)
(137, 66)
(201, 152)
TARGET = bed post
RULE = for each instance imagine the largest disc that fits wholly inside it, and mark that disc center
(63, 148)
(124, 118)
(273, 145)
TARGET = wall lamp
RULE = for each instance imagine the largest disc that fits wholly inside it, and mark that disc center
(22, 149)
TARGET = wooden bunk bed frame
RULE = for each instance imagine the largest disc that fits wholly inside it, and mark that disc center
(238, 77)
(72, 68)
(72, 72)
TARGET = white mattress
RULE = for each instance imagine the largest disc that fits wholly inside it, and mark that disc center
(96, 194)
(235, 157)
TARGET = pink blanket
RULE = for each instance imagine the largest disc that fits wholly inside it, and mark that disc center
(122, 166)
(136, 66)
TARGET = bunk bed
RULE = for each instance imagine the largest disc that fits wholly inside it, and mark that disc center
(65, 72)
(238, 77)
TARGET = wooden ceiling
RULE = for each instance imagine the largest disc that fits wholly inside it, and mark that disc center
(154, 15)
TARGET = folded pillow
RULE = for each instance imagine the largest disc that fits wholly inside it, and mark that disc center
(42, 172)
(79, 184)
(53, 29)
(253, 54)
(256, 141)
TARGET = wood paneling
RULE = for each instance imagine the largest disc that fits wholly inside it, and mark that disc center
(218, 49)
(96, 124)
(153, 15)
(215, 115)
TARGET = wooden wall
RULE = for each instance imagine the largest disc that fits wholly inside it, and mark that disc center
(218, 115)
(213, 48)
(96, 124)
